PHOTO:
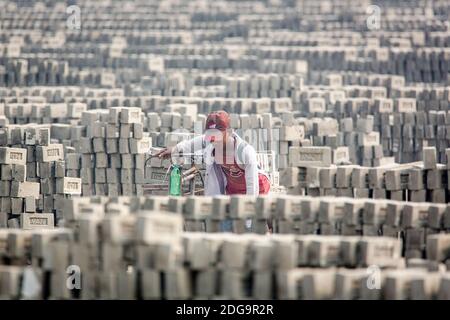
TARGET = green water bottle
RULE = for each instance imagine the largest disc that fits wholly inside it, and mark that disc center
(175, 181)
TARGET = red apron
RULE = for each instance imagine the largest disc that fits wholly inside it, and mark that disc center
(236, 180)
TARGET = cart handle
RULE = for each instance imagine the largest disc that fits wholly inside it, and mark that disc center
(192, 155)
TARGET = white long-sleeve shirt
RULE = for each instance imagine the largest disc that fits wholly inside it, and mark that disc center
(215, 179)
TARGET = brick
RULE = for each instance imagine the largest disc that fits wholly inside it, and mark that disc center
(130, 115)
(324, 252)
(151, 284)
(37, 220)
(288, 207)
(242, 206)
(343, 176)
(397, 286)
(376, 178)
(316, 105)
(365, 125)
(353, 211)
(76, 109)
(341, 155)
(6, 172)
(330, 211)
(319, 284)
(13, 155)
(37, 136)
(414, 215)
(310, 209)
(348, 283)
(435, 215)
(220, 207)
(394, 211)
(289, 282)
(444, 288)
(13, 223)
(406, 105)
(437, 247)
(52, 152)
(416, 179)
(374, 213)
(414, 242)
(16, 206)
(73, 161)
(30, 204)
(325, 127)
(327, 177)
(141, 146)
(380, 251)
(263, 285)
(233, 253)
(359, 178)
(59, 169)
(310, 156)
(289, 177)
(369, 139)
(197, 207)
(124, 146)
(265, 207)
(125, 131)
(25, 189)
(158, 228)
(384, 105)
(68, 185)
(424, 287)
(99, 177)
(292, 133)
(429, 158)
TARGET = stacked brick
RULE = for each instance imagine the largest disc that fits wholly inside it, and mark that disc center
(170, 264)
(357, 121)
(36, 110)
(315, 175)
(113, 152)
(34, 181)
(288, 215)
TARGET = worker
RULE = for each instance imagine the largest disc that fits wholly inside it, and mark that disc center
(231, 164)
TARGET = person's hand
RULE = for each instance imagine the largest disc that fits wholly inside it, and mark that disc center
(165, 153)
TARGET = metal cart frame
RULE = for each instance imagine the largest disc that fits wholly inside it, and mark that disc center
(188, 183)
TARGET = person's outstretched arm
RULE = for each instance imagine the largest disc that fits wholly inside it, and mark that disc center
(187, 146)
